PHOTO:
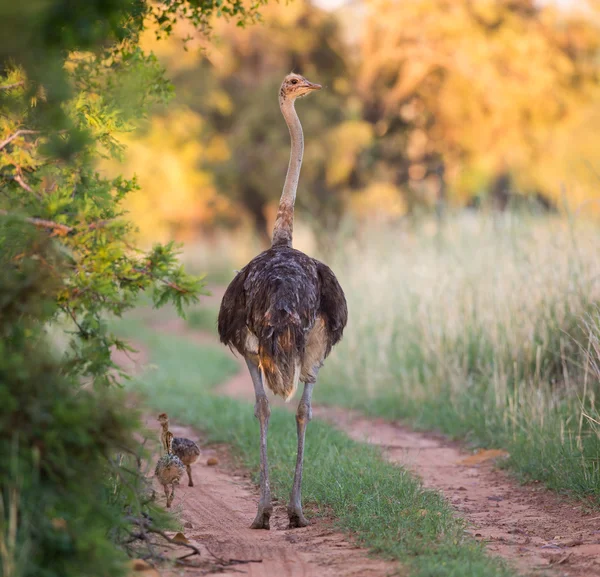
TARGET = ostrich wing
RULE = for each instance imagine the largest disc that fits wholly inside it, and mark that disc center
(333, 307)
(232, 314)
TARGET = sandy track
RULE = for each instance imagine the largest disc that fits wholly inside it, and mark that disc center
(532, 527)
(216, 514)
(529, 525)
(218, 510)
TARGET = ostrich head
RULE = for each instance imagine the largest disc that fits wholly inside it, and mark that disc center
(295, 86)
(163, 419)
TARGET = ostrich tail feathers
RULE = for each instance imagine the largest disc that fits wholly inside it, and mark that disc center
(280, 365)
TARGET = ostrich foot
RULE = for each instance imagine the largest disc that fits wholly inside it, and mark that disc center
(263, 516)
(297, 519)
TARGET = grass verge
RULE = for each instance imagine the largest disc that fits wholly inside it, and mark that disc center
(381, 505)
(483, 330)
(203, 318)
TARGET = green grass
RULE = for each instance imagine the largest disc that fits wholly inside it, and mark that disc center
(203, 318)
(484, 336)
(382, 506)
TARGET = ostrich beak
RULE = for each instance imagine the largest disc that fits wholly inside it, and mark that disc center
(312, 86)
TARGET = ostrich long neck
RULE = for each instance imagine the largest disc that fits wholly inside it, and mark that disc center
(163, 433)
(164, 436)
(284, 224)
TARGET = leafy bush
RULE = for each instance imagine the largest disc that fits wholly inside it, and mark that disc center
(72, 80)
(62, 495)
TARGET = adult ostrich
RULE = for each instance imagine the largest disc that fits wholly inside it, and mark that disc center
(283, 312)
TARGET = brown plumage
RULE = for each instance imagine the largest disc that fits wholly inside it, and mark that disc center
(187, 451)
(283, 312)
(169, 469)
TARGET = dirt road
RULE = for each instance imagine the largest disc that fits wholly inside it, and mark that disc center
(532, 527)
(216, 514)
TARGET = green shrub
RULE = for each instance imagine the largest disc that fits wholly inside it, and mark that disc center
(65, 494)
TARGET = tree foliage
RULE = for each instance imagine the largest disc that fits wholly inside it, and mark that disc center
(424, 103)
(80, 210)
(73, 80)
(41, 34)
(241, 140)
(483, 88)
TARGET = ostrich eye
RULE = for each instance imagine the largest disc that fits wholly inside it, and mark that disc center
(294, 81)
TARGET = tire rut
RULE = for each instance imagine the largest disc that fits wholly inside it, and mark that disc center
(535, 529)
(216, 514)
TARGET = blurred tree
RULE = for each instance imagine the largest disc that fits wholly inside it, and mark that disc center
(235, 90)
(168, 155)
(481, 88)
(73, 79)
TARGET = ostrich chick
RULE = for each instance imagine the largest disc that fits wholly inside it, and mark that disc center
(184, 448)
(169, 468)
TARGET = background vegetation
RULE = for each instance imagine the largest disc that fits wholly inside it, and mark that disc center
(487, 333)
(450, 178)
(429, 104)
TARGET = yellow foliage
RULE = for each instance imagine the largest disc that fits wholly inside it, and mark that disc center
(497, 81)
(221, 102)
(177, 197)
(171, 51)
(344, 143)
(479, 88)
(379, 199)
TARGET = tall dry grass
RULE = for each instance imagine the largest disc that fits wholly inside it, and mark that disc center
(486, 329)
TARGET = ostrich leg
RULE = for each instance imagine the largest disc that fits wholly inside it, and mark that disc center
(303, 416)
(262, 412)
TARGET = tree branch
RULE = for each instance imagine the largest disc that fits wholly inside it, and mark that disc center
(19, 180)
(146, 526)
(15, 135)
(82, 331)
(62, 229)
(42, 223)
(23, 184)
(168, 283)
(14, 85)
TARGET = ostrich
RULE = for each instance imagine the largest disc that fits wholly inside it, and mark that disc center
(283, 312)
(187, 451)
(169, 468)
